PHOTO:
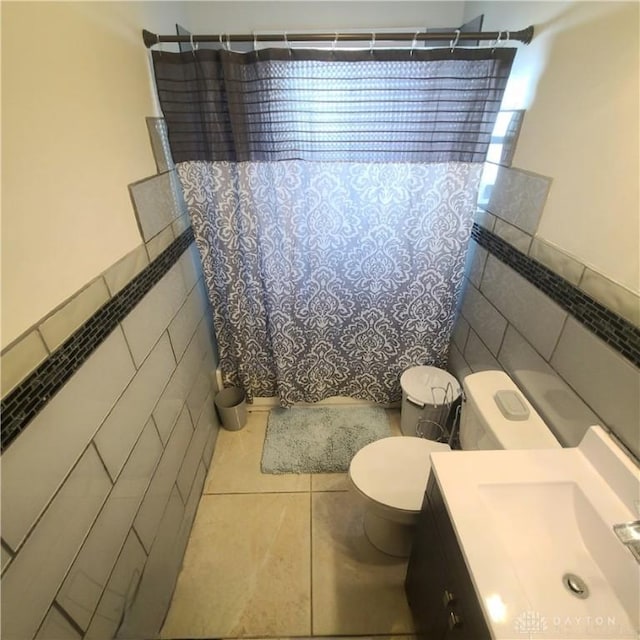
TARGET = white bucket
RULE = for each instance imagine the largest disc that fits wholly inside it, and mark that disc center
(427, 396)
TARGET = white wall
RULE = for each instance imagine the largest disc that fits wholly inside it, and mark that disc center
(578, 80)
(76, 90)
(247, 16)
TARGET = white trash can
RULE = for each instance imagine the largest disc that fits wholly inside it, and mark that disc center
(427, 396)
(232, 408)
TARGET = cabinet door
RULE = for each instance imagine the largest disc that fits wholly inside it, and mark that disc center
(464, 617)
(425, 580)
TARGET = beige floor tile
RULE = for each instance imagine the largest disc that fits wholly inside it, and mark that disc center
(329, 482)
(246, 571)
(235, 467)
(356, 589)
(394, 421)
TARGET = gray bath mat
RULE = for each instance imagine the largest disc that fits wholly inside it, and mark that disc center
(319, 440)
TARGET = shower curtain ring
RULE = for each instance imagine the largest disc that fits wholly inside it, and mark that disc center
(193, 46)
(335, 42)
(497, 41)
(373, 42)
(454, 43)
(286, 42)
(414, 42)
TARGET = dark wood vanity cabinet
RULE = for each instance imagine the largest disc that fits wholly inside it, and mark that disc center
(438, 585)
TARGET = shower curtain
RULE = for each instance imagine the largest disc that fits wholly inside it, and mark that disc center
(331, 196)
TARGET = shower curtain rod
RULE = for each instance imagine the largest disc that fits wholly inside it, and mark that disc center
(524, 35)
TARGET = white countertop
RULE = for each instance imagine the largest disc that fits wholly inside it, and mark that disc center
(525, 518)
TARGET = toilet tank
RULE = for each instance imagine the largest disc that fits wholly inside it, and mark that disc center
(496, 415)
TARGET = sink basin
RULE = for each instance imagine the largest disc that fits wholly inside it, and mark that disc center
(536, 531)
(551, 530)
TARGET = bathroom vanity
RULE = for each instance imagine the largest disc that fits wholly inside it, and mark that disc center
(517, 543)
(438, 585)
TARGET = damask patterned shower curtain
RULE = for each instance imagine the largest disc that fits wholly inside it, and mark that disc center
(331, 196)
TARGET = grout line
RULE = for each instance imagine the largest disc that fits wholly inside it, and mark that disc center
(7, 548)
(104, 466)
(137, 535)
(557, 342)
(67, 617)
(155, 426)
(263, 493)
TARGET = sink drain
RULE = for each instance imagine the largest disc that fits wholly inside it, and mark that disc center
(575, 585)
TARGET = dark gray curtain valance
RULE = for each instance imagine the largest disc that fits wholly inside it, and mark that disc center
(432, 105)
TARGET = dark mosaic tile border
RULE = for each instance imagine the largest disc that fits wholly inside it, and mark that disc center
(20, 406)
(617, 332)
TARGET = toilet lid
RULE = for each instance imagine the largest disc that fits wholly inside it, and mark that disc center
(394, 471)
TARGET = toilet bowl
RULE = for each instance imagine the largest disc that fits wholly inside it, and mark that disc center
(390, 475)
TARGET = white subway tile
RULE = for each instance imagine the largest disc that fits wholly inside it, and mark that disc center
(211, 417)
(159, 577)
(190, 508)
(159, 242)
(157, 201)
(190, 266)
(516, 238)
(201, 388)
(457, 365)
(30, 583)
(560, 407)
(186, 321)
(19, 360)
(121, 429)
(120, 590)
(519, 197)
(178, 389)
(620, 300)
(474, 266)
(57, 627)
(460, 332)
(478, 357)
(83, 586)
(484, 219)
(532, 312)
(160, 144)
(483, 318)
(152, 315)
(193, 455)
(205, 338)
(59, 326)
(181, 225)
(558, 261)
(36, 462)
(126, 269)
(210, 445)
(155, 500)
(604, 379)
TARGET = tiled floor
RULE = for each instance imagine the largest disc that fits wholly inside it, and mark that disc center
(282, 555)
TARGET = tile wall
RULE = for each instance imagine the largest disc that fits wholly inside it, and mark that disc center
(108, 431)
(568, 336)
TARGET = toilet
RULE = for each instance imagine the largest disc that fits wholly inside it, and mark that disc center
(391, 474)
